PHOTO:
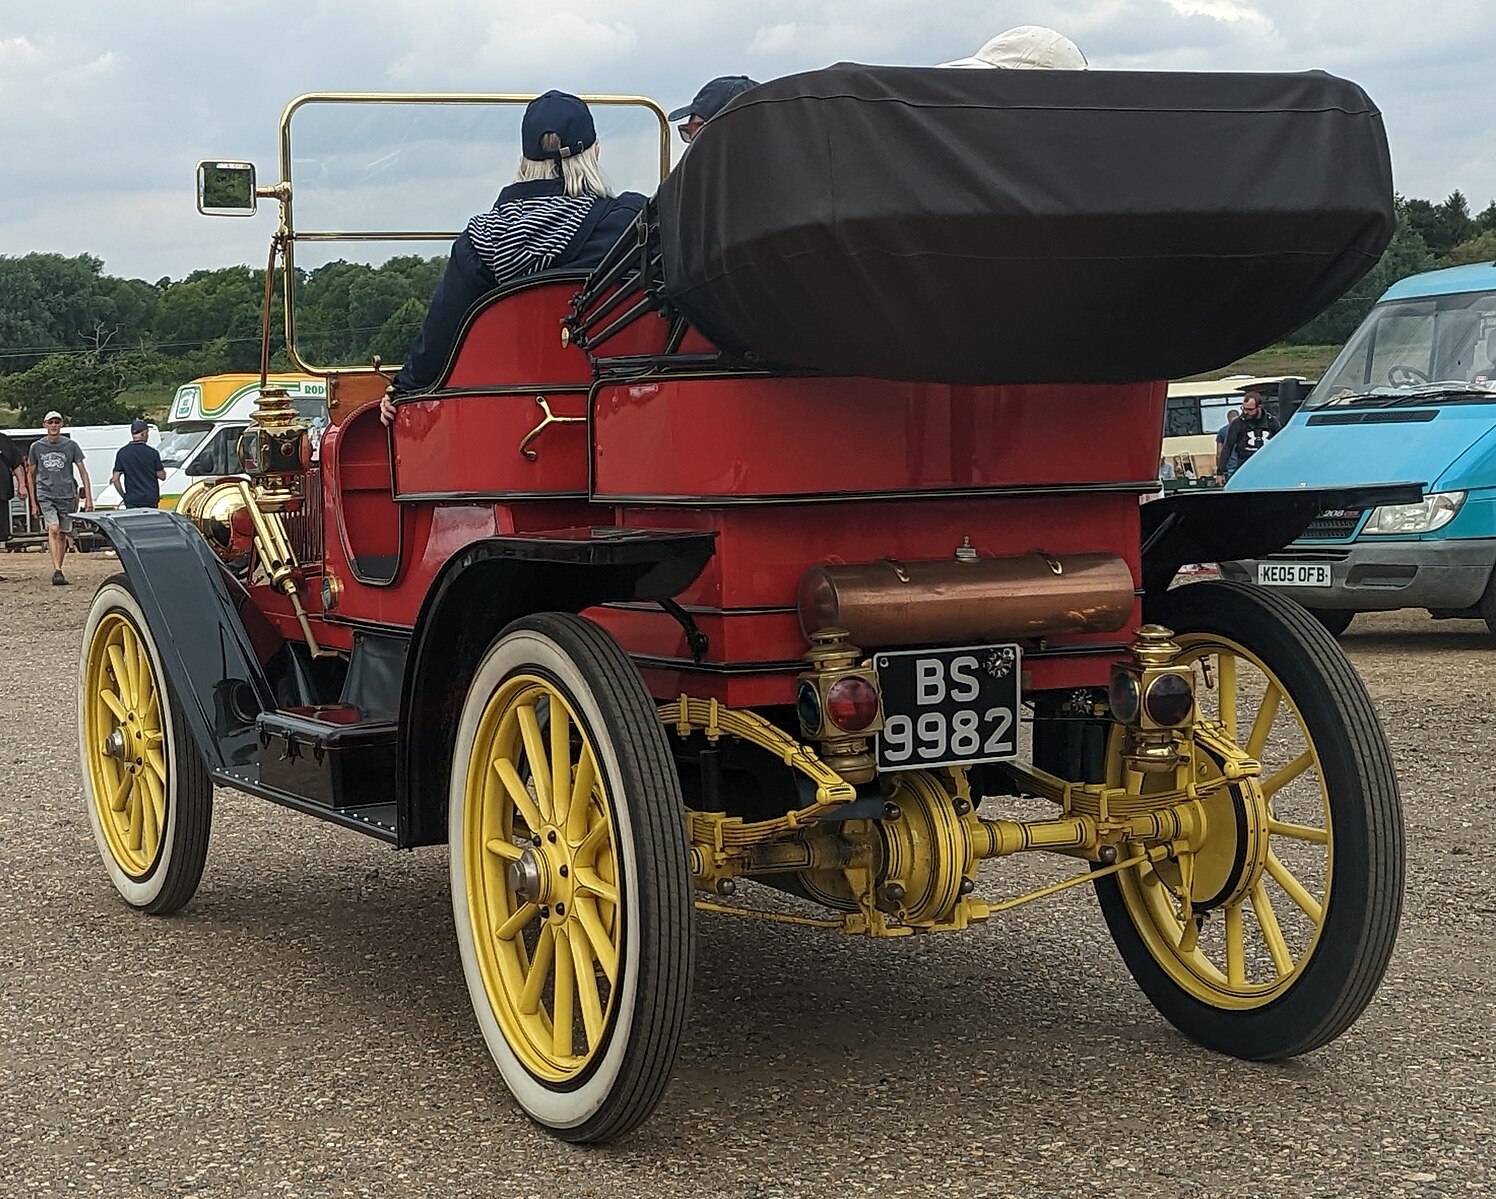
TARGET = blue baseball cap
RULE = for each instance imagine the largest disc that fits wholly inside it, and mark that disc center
(138, 426)
(714, 96)
(564, 115)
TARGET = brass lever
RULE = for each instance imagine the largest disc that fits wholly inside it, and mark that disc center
(550, 418)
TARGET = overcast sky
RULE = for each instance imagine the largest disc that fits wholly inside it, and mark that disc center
(107, 105)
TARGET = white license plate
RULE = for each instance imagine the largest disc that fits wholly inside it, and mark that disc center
(1293, 574)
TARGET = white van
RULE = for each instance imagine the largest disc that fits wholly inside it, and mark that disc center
(206, 418)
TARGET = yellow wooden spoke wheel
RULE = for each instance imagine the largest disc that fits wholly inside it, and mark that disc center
(570, 883)
(149, 795)
(1271, 939)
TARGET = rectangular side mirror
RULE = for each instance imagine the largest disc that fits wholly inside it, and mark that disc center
(226, 188)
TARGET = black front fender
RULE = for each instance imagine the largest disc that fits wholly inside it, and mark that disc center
(481, 590)
(1221, 526)
(193, 609)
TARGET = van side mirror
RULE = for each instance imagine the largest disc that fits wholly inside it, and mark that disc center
(226, 188)
(1291, 396)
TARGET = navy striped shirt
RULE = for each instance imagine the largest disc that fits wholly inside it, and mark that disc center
(524, 235)
(532, 227)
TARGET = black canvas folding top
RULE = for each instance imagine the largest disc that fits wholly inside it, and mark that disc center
(990, 226)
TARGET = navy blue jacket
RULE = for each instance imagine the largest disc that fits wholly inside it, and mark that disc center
(532, 227)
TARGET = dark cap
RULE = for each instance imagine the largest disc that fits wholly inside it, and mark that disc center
(138, 426)
(564, 115)
(715, 96)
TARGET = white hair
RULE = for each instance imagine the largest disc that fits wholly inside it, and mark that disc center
(580, 173)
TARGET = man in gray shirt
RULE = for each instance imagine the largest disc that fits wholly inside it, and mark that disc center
(54, 491)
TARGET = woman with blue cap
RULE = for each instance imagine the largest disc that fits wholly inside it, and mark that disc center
(559, 213)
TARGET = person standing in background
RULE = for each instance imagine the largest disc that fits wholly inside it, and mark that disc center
(1248, 433)
(138, 469)
(1223, 467)
(12, 481)
(54, 491)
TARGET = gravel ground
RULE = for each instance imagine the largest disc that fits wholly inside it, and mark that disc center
(302, 1028)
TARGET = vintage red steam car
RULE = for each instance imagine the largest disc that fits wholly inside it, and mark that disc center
(801, 542)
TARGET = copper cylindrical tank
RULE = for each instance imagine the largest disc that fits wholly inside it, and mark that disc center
(950, 600)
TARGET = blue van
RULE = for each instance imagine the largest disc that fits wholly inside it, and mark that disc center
(1411, 398)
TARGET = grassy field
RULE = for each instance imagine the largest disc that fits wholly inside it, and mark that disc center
(1308, 361)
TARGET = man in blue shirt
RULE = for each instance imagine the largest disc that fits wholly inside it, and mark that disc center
(138, 466)
(1222, 467)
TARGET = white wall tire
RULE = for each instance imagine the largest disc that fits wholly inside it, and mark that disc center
(147, 792)
(585, 1066)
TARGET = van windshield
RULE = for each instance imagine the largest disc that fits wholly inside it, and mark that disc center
(177, 445)
(1432, 350)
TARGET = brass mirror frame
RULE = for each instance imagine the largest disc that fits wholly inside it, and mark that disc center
(288, 235)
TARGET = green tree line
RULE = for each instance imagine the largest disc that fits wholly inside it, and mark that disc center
(104, 349)
(1427, 236)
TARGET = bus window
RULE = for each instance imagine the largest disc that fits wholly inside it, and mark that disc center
(1182, 416)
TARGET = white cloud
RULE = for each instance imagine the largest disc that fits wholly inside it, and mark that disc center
(15, 50)
(567, 37)
(104, 107)
(1228, 11)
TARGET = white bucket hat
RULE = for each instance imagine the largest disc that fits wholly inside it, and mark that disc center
(1027, 46)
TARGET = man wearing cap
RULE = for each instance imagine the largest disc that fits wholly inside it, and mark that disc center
(138, 467)
(54, 491)
(1026, 47)
(559, 213)
(12, 476)
(710, 100)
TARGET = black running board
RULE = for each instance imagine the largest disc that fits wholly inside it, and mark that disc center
(373, 820)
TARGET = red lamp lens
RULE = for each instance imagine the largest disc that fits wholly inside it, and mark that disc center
(852, 704)
(1170, 700)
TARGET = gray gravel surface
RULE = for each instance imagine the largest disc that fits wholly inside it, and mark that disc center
(302, 1028)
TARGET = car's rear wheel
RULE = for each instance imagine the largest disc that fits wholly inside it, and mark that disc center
(571, 885)
(1271, 939)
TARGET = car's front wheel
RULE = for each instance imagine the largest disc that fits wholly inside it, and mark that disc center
(149, 795)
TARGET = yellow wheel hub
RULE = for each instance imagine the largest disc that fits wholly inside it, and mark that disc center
(1235, 923)
(542, 878)
(124, 744)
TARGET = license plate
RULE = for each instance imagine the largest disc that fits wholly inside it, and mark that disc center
(1293, 574)
(948, 707)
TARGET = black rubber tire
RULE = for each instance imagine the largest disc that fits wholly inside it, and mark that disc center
(1485, 607)
(1365, 900)
(1334, 620)
(608, 692)
(173, 877)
